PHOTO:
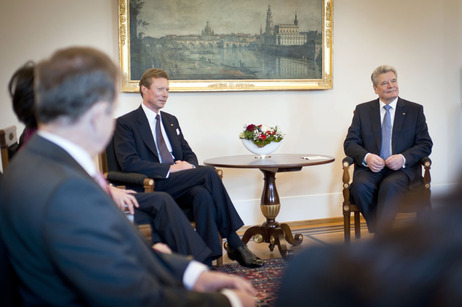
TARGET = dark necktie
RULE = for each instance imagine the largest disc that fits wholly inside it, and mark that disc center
(165, 155)
(385, 151)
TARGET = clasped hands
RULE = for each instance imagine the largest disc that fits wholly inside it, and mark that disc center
(376, 163)
(180, 166)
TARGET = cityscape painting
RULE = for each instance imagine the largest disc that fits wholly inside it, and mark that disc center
(234, 45)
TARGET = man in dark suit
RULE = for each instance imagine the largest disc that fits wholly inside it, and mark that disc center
(67, 241)
(151, 142)
(171, 230)
(386, 148)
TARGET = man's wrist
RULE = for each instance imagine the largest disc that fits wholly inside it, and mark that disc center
(192, 272)
(404, 161)
(365, 159)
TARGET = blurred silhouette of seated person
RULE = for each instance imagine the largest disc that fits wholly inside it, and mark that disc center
(168, 223)
(68, 242)
(414, 265)
(21, 90)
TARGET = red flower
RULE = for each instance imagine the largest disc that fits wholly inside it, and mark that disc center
(251, 127)
(262, 137)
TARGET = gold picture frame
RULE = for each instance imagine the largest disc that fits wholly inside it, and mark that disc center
(280, 57)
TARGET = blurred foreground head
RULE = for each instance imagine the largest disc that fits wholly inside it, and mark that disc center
(71, 81)
(417, 265)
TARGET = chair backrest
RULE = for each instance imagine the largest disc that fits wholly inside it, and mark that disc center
(8, 144)
(111, 163)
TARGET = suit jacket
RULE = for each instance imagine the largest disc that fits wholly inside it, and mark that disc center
(70, 245)
(136, 149)
(409, 136)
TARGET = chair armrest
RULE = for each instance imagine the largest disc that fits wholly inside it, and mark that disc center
(346, 162)
(426, 163)
(219, 173)
(126, 178)
(120, 178)
(349, 160)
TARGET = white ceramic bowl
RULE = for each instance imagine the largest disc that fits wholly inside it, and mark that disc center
(261, 151)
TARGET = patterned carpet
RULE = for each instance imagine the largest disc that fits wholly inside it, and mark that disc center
(265, 279)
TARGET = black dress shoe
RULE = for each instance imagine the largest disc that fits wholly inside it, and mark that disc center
(244, 256)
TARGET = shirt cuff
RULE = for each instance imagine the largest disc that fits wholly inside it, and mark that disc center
(404, 161)
(232, 297)
(364, 160)
(192, 272)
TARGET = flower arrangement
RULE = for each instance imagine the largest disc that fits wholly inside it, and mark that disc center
(261, 135)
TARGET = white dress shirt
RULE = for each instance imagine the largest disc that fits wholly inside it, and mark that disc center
(151, 116)
(392, 117)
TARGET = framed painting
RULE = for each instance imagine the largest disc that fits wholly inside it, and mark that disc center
(239, 45)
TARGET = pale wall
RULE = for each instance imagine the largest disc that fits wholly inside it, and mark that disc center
(421, 38)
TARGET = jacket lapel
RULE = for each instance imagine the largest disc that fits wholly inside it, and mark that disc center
(145, 131)
(376, 125)
(169, 128)
(400, 115)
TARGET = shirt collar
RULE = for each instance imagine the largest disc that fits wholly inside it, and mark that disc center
(150, 114)
(391, 104)
(78, 153)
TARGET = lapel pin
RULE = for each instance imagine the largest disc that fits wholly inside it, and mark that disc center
(404, 113)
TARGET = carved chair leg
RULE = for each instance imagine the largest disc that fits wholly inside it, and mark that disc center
(357, 225)
(346, 226)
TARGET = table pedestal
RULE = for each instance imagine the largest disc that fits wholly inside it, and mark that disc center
(272, 232)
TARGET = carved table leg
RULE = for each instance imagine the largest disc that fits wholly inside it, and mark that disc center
(271, 231)
(253, 231)
(294, 240)
(277, 238)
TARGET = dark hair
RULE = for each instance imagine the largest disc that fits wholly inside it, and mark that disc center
(70, 82)
(21, 90)
(146, 78)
